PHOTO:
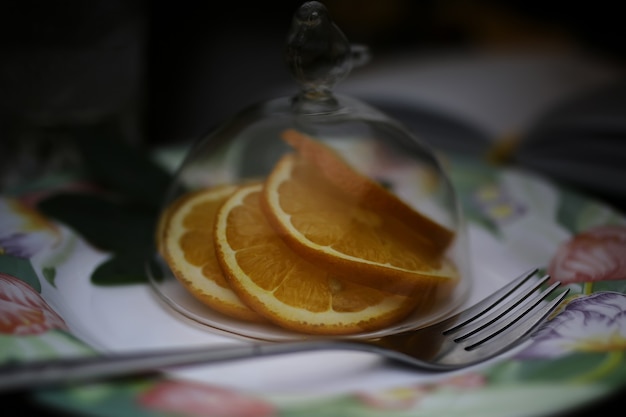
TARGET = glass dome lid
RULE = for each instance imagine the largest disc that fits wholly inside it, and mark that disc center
(311, 215)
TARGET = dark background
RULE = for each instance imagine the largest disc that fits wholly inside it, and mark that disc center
(189, 64)
(206, 63)
(175, 69)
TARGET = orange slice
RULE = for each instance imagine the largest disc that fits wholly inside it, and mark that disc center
(186, 242)
(348, 181)
(335, 217)
(285, 288)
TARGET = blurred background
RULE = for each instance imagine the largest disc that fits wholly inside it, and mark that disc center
(206, 63)
(167, 72)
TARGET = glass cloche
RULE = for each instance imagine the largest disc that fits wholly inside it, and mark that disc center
(311, 215)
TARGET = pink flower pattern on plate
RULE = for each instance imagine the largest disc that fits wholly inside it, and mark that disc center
(184, 398)
(23, 311)
(595, 255)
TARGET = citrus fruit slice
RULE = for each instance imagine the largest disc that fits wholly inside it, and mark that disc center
(346, 179)
(333, 216)
(186, 242)
(285, 288)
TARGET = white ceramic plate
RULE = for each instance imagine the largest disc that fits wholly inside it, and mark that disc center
(50, 308)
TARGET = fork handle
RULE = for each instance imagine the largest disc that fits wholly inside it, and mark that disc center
(14, 376)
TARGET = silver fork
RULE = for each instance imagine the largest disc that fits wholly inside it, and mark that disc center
(489, 328)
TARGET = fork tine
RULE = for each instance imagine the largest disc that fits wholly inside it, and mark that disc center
(482, 307)
(485, 321)
(518, 332)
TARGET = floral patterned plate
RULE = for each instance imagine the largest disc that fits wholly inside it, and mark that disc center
(53, 303)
